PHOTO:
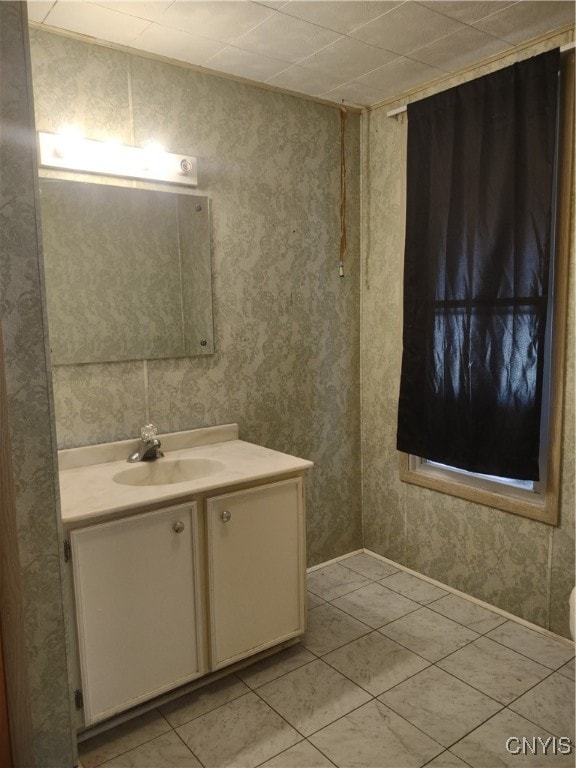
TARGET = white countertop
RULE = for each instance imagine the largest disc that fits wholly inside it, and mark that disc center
(88, 490)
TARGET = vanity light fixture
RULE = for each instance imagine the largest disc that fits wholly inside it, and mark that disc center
(69, 151)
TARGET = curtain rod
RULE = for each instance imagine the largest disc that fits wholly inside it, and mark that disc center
(404, 107)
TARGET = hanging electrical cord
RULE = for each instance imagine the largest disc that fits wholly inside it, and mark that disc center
(343, 115)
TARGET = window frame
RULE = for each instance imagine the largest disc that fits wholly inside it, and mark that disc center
(542, 505)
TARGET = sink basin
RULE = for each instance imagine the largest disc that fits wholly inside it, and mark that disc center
(167, 471)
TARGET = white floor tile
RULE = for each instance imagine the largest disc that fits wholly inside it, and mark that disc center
(375, 662)
(123, 738)
(495, 670)
(536, 646)
(375, 737)
(302, 755)
(440, 705)
(369, 566)
(466, 612)
(313, 696)
(241, 734)
(411, 586)
(550, 704)
(486, 746)
(329, 628)
(334, 580)
(275, 666)
(429, 634)
(203, 700)
(166, 751)
(375, 605)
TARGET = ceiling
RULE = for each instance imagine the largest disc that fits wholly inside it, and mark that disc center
(359, 53)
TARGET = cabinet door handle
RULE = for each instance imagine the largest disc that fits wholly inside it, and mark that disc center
(179, 526)
(226, 516)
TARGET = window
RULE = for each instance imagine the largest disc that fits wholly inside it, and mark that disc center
(481, 389)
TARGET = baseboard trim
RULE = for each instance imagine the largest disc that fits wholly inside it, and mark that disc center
(335, 560)
(452, 590)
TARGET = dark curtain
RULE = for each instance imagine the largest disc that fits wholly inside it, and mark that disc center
(479, 236)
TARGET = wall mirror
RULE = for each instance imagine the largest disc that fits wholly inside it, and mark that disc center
(128, 272)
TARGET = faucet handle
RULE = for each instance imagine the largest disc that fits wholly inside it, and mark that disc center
(148, 432)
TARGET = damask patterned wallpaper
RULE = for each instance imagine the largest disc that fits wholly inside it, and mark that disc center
(286, 365)
(520, 565)
(33, 456)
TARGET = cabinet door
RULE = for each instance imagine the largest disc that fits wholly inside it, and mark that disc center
(136, 591)
(256, 569)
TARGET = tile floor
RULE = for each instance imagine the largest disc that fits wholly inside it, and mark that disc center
(393, 672)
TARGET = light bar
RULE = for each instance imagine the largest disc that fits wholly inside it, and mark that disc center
(69, 152)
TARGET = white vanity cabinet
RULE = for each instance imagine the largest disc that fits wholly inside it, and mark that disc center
(256, 570)
(137, 591)
(176, 576)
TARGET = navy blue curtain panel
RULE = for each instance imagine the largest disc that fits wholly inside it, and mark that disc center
(479, 239)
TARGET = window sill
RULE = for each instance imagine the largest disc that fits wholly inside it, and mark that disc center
(541, 507)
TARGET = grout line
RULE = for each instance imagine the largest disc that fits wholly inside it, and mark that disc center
(288, 723)
(376, 695)
(521, 653)
(284, 751)
(146, 397)
(348, 614)
(457, 621)
(445, 656)
(447, 752)
(535, 724)
(403, 594)
(342, 717)
(335, 560)
(279, 677)
(174, 730)
(146, 740)
(414, 724)
(322, 753)
(531, 688)
(417, 607)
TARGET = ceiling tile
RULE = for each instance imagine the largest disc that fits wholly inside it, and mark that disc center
(463, 48)
(303, 80)
(180, 46)
(407, 27)
(286, 38)
(362, 51)
(400, 76)
(341, 16)
(98, 22)
(225, 20)
(145, 9)
(466, 11)
(525, 20)
(270, 3)
(235, 61)
(349, 57)
(355, 94)
(38, 9)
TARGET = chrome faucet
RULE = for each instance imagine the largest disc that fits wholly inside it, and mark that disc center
(149, 445)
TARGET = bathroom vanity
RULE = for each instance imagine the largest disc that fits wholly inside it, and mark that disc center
(181, 566)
